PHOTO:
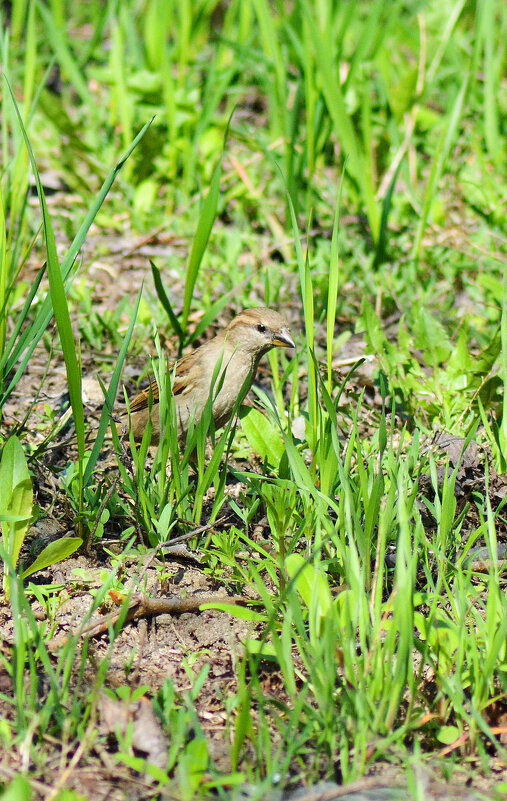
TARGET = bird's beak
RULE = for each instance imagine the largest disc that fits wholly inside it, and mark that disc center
(283, 339)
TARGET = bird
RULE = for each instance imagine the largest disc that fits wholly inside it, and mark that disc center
(239, 348)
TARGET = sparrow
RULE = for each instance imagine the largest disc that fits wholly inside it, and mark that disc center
(239, 348)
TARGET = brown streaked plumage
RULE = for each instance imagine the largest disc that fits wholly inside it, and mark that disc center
(240, 345)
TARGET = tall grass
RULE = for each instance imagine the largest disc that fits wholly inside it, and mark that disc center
(22, 345)
(323, 68)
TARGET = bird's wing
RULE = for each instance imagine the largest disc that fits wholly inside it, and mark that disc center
(184, 378)
(142, 401)
(183, 384)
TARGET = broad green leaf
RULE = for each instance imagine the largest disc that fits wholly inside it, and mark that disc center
(312, 584)
(18, 790)
(192, 765)
(16, 497)
(142, 765)
(260, 648)
(7, 518)
(21, 501)
(56, 551)
(242, 612)
(262, 436)
(448, 734)
(69, 795)
(13, 471)
(313, 587)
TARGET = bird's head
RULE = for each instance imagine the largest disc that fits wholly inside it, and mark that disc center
(258, 330)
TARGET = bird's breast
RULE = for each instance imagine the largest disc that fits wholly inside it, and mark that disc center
(237, 371)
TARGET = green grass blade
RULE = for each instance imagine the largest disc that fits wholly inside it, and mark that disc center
(59, 300)
(332, 292)
(449, 132)
(110, 396)
(202, 234)
(492, 78)
(64, 55)
(381, 249)
(166, 303)
(31, 336)
(342, 123)
(4, 269)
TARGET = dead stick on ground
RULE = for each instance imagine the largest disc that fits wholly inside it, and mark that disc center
(170, 547)
(142, 606)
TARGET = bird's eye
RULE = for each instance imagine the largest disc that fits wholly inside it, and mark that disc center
(261, 328)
